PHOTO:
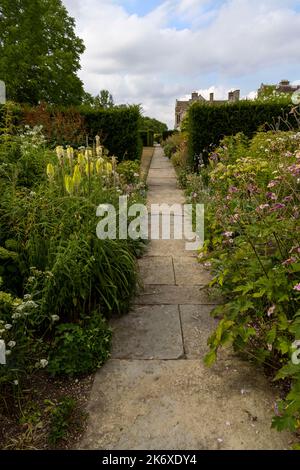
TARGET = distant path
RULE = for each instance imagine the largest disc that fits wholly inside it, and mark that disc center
(155, 392)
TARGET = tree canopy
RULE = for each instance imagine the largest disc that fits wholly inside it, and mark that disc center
(151, 124)
(103, 100)
(39, 52)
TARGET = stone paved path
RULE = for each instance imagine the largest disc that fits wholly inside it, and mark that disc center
(155, 392)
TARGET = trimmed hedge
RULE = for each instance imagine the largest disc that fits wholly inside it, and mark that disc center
(118, 127)
(209, 124)
(167, 134)
(147, 138)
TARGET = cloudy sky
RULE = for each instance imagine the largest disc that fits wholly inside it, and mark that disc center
(154, 51)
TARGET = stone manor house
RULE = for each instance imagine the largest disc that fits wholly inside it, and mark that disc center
(182, 106)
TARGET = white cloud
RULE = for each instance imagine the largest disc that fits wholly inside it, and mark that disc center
(151, 60)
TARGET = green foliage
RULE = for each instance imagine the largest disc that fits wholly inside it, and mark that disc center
(103, 100)
(207, 124)
(147, 138)
(169, 133)
(61, 417)
(54, 270)
(118, 128)
(39, 52)
(79, 349)
(251, 194)
(151, 124)
(129, 171)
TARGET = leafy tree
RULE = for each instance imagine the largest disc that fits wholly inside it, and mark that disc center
(39, 52)
(151, 124)
(103, 100)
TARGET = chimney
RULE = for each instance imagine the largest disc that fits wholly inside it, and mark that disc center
(211, 97)
(194, 95)
(236, 95)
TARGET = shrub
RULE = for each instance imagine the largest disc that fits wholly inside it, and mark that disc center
(208, 124)
(79, 349)
(252, 243)
(118, 128)
(129, 171)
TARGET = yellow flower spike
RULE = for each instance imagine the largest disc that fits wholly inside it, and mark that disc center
(99, 151)
(88, 154)
(91, 168)
(76, 177)
(97, 138)
(109, 167)
(70, 153)
(50, 171)
(60, 152)
(99, 165)
(68, 183)
(81, 159)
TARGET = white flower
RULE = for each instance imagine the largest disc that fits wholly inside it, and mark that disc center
(15, 316)
(16, 382)
(8, 326)
(8, 352)
(54, 317)
(11, 344)
(27, 297)
(43, 362)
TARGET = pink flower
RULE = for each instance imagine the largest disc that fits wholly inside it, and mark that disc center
(294, 170)
(289, 261)
(272, 196)
(273, 183)
(262, 207)
(288, 198)
(233, 189)
(297, 287)
(277, 207)
(227, 234)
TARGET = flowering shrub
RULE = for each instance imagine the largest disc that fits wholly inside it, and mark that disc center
(253, 245)
(59, 282)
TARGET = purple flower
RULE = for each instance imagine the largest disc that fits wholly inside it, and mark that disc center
(271, 196)
(297, 287)
(278, 206)
(288, 198)
(273, 183)
(294, 169)
(233, 189)
(252, 188)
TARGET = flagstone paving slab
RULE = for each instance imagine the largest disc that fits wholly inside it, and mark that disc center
(190, 273)
(157, 270)
(197, 326)
(180, 404)
(168, 247)
(174, 295)
(148, 332)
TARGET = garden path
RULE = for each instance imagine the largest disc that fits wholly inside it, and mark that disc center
(155, 392)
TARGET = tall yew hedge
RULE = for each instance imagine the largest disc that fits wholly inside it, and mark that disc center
(208, 124)
(118, 127)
